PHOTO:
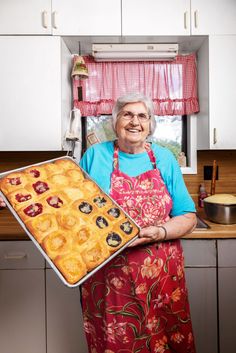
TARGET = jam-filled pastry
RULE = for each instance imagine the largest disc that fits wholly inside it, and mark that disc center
(32, 210)
(20, 198)
(42, 226)
(12, 182)
(127, 228)
(57, 243)
(69, 219)
(101, 222)
(94, 252)
(90, 187)
(65, 164)
(71, 266)
(40, 187)
(113, 240)
(75, 175)
(82, 235)
(114, 213)
(101, 201)
(84, 208)
(56, 200)
(35, 173)
(73, 193)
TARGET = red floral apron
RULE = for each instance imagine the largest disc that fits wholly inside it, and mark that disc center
(138, 301)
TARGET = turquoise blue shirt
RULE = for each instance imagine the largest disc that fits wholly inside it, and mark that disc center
(98, 163)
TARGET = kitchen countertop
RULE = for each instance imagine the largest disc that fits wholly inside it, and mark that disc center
(11, 230)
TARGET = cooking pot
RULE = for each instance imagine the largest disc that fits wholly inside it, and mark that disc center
(220, 212)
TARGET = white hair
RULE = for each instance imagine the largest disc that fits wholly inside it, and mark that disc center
(134, 98)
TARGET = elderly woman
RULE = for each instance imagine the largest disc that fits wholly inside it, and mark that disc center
(138, 301)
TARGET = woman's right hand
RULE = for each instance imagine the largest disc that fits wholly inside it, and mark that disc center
(2, 203)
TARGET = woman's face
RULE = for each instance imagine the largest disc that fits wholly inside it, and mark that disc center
(133, 124)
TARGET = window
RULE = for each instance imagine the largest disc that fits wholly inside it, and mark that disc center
(173, 132)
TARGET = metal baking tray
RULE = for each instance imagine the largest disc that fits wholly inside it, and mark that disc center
(47, 258)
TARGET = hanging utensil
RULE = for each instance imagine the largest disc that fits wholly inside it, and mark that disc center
(213, 179)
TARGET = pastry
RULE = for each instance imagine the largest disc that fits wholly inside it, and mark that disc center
(69, 219)
(126, 228)
(94, 252)
(12, 182)
(71, 266)
(90, 187)
(100, 221)
(42, 225)
(113, 240)
(66, 164)
(55, 200)
(82, 235)
(20, 198)
(75, 175)
(58, 180)
(52, 168)
(35, 173)
(57, 243)
(101, 201)
(32, 210)
(84, 208)
(73, 193)
(114, 213)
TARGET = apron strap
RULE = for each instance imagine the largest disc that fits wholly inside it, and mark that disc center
(147, 148)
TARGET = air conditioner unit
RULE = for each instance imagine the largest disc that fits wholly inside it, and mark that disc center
(134, 52)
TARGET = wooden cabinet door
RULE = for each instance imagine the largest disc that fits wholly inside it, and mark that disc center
(155, 17)
(65, 331)
(22, 308)
(30, 100)
(78, 17)
(213, 17)
(25, 17)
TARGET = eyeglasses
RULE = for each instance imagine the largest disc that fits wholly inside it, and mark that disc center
(126, 115)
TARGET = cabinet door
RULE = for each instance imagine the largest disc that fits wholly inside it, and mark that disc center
(202, 289)
(213, 17)
(30, 100)
(22, 308)
(155, 17)
(25, 17)
(78, 17)
(64, 319)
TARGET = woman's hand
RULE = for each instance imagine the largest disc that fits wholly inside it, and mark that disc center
(2, 203)
(149, 235)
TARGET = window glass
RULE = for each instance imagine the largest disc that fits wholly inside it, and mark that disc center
(168, 132)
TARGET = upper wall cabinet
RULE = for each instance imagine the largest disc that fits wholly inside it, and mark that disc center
(60, 17)
(155, 17)
(35, 98)
(182, 17)
(217, 92)
(79, 17)
(213, 17)
(25, 17)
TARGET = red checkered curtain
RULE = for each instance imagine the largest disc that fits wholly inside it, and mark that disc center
(172, 85)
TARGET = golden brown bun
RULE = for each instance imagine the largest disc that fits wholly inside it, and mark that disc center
(52, 168)
(94, 252)
(35, 173)
(90, 187)
(65, 164)
(71, 266)
(58, 180)
(82, 235)
(69, 219)
(73, 193)
(75, 176)
(42, 225)
(12, 182)
(57, 243)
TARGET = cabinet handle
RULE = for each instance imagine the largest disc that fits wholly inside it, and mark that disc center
(54, 19)
(45, 19)
(19, 256)
(196, 19)
(186, 20)
(214, 136)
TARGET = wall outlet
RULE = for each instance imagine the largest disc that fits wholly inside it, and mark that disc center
(207, 172)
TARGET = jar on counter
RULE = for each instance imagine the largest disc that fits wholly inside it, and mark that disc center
(202, 195)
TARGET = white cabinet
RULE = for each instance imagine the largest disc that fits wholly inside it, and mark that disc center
(213, 17)
(35, 91)
(217, 92)
(25, 17)
(227, 294)
(201, 279)
(79, 17)
(155, 17)
(65, 331)
(22, 298)
(60, 17)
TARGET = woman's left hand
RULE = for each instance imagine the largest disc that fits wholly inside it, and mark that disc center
(149, 234)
